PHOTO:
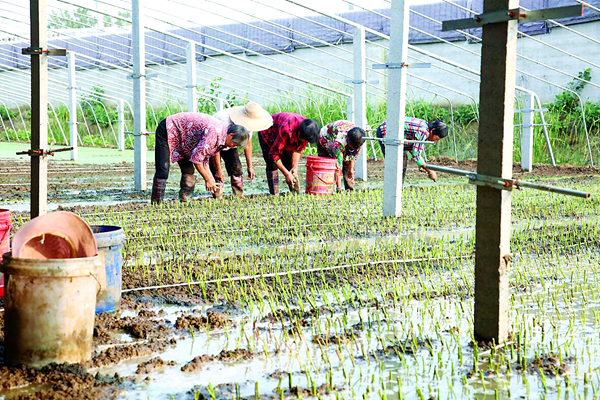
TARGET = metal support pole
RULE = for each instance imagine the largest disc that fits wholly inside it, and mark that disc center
(39, 108)
(495, 149)
(192, 98)
(350, 109)
(398, 54)
(219, 105)
(72, 105)
(360, 96)
(121, 124)
(528, 114)
(139, 96)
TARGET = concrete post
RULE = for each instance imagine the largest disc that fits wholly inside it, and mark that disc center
(39, 108)
(392, 175)
(121, 124)
(360, 96)
(527, 115)
(72, 105)
(192, 98)
(139, 96)
(495, 149)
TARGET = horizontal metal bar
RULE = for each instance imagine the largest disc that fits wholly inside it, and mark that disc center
(393, 142)
(507, 184)
(400, 65)
(551, 13)
(481, 19)
(526, 110)
(359, 81)
(530, 125)
(512, 14)
(38, 51)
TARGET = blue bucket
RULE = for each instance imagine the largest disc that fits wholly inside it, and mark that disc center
(110, 241)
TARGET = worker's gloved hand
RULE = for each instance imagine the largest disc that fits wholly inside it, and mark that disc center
(432, 175)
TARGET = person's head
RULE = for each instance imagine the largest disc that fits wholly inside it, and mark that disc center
(437, 130)
(237, 136)
(251, 116)
(356, 138)
(308, 130)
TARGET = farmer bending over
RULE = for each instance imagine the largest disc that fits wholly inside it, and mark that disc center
(282, 145)
(417, 129)
(191, 139)
(252, 117)
(341, 140)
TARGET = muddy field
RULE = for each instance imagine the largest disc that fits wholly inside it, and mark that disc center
(282, 298)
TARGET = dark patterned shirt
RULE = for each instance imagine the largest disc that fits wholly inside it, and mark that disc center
(414, 129)
(282, 136)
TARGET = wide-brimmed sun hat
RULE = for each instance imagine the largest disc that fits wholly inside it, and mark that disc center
(251, 116)
(59, 234)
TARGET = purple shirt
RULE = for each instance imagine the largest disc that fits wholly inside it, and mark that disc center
(195, 136)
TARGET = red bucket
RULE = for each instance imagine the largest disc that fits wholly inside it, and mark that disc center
(320, 175)
(5, 226)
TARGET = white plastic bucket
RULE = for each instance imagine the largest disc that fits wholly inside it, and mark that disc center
(49, 309)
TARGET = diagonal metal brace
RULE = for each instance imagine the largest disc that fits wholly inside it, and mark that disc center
(506, 183)
(43, 152)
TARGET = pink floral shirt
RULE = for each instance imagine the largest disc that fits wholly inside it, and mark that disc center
(195, 136)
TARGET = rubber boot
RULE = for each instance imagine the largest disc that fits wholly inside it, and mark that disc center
(237, 185)
(349, 184)
(187, 185)
(273, 181)
(158, 190)
(218, 194)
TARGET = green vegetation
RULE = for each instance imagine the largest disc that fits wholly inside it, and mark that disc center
(84, 18)
(98, 122)
(358, 305)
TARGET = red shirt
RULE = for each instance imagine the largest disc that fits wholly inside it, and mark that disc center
(282, 136)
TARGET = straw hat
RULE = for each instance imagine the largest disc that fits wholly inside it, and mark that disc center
(59, 234)
(251, 116)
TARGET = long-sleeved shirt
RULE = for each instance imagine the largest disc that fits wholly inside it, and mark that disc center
(195, 136)
(414, 129)
(282, 137)
(334, 138)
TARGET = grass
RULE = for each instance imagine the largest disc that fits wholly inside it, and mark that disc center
(98, 125)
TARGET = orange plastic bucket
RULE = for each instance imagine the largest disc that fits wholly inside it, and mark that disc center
(320, 175)
(5, 226)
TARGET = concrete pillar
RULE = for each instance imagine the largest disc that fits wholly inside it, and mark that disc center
(39, 108)
(527, 115)
(121, 124)
(72, 105)
(495, 149)
(360, 96)
(139, 96)
(192, 98)
(392, 175)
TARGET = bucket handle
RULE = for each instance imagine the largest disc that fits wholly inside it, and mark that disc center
(318, 177)
(98, 282)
